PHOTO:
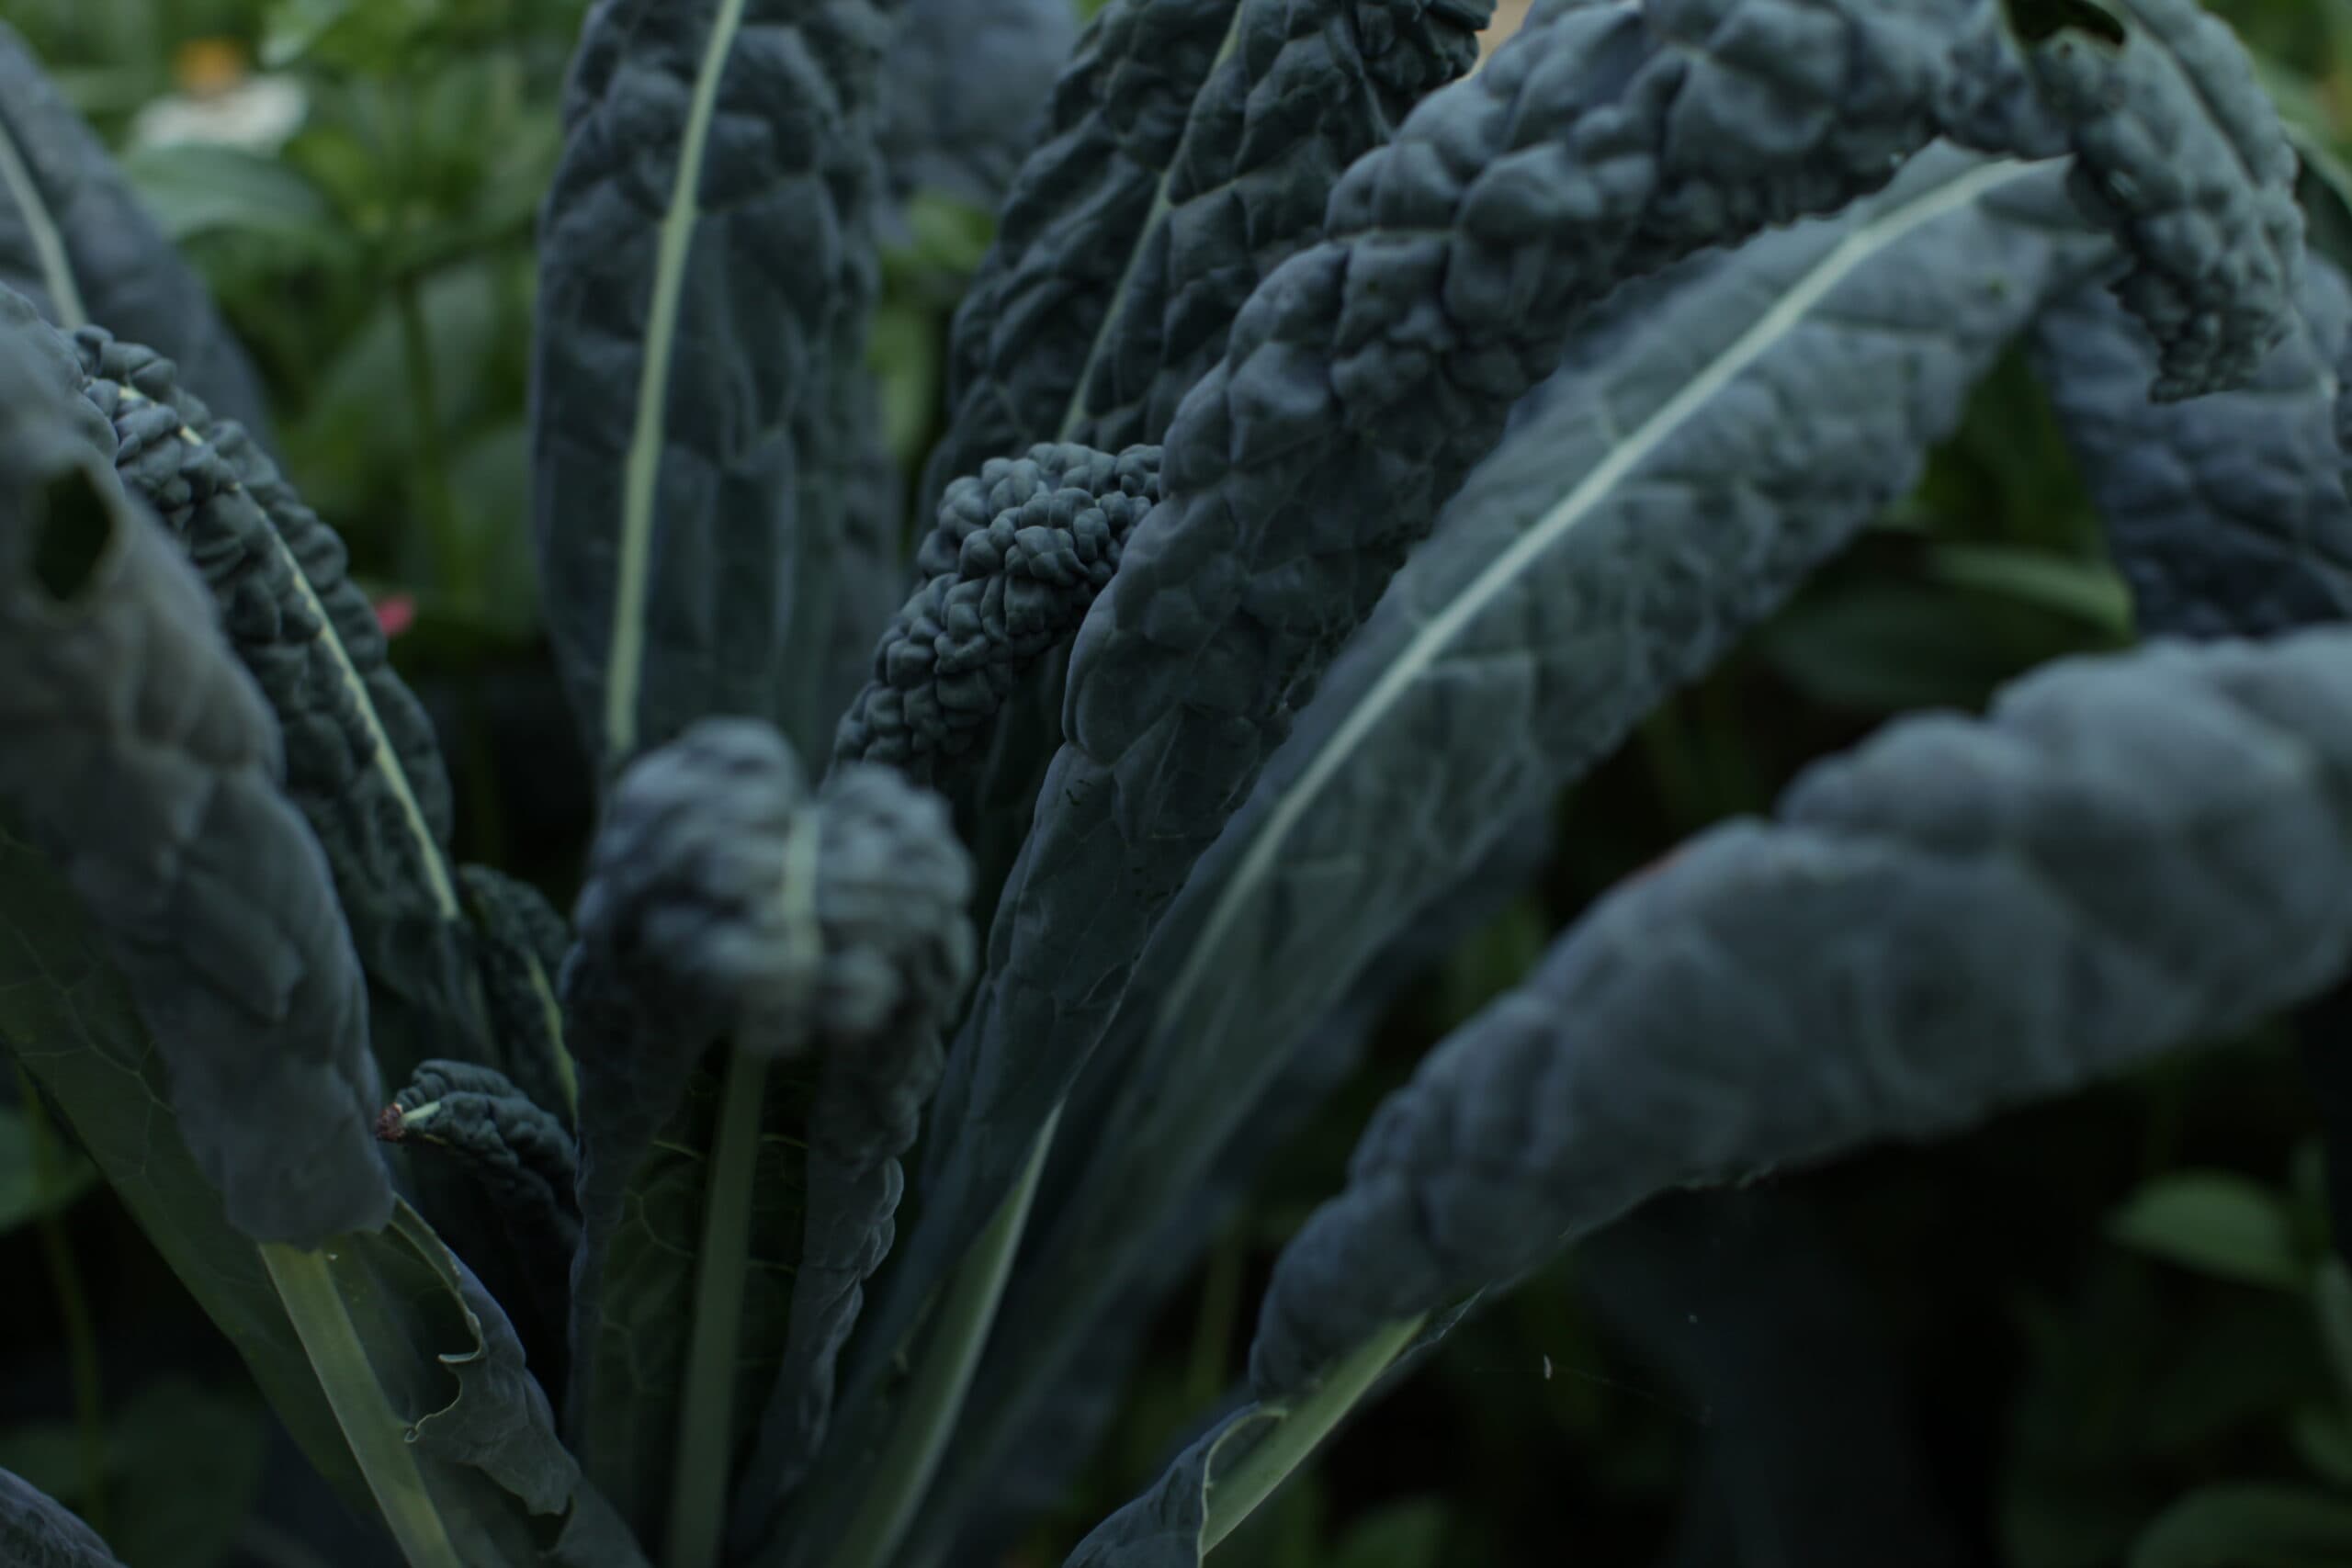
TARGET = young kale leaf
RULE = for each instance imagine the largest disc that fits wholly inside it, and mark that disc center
(520, 1157)
(1017, 556)
(731, 919)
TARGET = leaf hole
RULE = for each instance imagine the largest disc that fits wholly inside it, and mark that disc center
(2038, 21)
(73, 528)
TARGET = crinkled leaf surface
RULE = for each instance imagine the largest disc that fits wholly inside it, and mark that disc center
(1363, 379)
(362, 762)
(2180, 155)
(516, 1159)
(1653, 503)
(1190, 149)
(75, 240)
(142, 760)
(2128, 855)
(698, 393)
(2227, 515)
(757, 996)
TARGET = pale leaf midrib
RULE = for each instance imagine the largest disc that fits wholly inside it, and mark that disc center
(57, 272)
(386, 759)
(1431, 639)
(1074, 415)
(625, 654)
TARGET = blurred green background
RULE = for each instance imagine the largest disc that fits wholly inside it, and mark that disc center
(2123, 1339)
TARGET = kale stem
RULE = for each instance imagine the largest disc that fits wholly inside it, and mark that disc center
(943, 1376)
(429, 479)
(705, 1437)
(72, 1309)
(1220, 1303)
(377, 1436)
(1297, 1430)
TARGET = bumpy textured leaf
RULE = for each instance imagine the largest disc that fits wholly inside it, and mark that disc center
(2180, 154)
(75, 240)
(1018, 554)
(517, 1155)
(1189, 150)
(2126, 856)
(964, 92)
(893, 887)
(37, 1532)
(729, 911)
(67, 1016)
(2227, 515)
(1363, 380)
(1652, 503)
(521, 943)
(362, 761)
(708, 265)
(1810, 1452)
(141, 758)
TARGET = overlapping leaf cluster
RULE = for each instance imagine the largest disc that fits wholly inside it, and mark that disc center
(1340, 456)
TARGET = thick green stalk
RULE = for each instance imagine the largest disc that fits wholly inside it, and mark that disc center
(698, 1482)
(1298, 1429)
(935, 1396)
(378, 1435)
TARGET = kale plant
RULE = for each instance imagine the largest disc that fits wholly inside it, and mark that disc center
(1343, 450)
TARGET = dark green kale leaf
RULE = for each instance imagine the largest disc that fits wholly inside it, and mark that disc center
(1018, 554)
(521, 1158)
(2128, 855)
(142, 760)
(1361, 383)
(756, 1004)
(2228, 514)
(1650, 505)
(2180, 156)
(37, 1531)
(1190, 148)
(702, 424)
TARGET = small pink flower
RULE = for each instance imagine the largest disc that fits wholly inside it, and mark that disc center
(396, 613)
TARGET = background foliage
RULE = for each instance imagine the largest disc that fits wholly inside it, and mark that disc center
(2126, 1345)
